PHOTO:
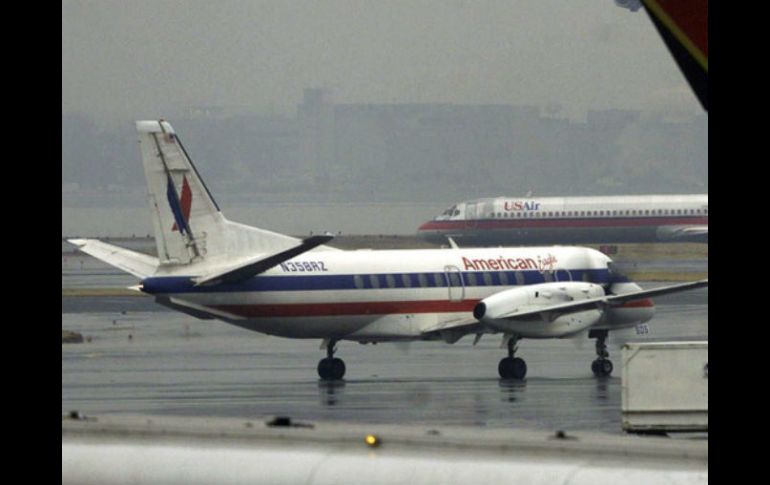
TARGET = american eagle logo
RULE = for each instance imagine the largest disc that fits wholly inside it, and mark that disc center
(180, 206)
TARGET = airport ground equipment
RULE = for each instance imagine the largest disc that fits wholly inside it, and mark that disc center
(665, 386)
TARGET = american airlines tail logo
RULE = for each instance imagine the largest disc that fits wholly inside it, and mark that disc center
(180, 207)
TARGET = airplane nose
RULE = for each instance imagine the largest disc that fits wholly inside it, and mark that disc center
(427, 226)
(430, 232)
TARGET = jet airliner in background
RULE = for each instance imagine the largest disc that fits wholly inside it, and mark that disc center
(212, 268)
(573, 220)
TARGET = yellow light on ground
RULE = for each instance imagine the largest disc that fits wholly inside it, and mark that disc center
(372, 440)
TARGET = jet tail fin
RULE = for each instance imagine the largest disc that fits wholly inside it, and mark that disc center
(189, 226)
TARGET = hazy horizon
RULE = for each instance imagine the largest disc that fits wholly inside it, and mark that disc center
(142, 59)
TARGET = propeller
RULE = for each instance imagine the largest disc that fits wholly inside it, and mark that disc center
(613, 276)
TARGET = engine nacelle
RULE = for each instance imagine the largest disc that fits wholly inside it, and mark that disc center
(492, 309)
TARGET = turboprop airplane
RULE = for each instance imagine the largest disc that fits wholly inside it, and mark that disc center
(212, 268)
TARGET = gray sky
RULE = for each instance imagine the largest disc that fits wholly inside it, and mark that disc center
(141, 59)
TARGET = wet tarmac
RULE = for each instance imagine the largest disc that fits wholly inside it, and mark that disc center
(143, 359)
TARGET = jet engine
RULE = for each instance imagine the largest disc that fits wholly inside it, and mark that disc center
(532, 311)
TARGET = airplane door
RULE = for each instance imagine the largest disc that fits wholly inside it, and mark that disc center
(471, 214)
(455, 283)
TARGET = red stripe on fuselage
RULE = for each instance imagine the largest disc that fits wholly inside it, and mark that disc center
(645, 303)
(356, 308)
(482, 224)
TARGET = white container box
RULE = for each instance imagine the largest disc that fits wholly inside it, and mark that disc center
(665, 386)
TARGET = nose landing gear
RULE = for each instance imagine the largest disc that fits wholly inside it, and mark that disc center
(331, 368)
(602, 366)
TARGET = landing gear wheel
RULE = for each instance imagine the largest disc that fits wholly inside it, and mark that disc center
(331, 369)
(602, 367)
(512, 368)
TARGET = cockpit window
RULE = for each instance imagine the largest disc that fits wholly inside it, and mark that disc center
(452, 211)
(449, 213)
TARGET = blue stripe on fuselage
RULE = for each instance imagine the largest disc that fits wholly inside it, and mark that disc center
(184, 284)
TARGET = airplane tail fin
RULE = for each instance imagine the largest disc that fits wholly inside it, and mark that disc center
(189, 226)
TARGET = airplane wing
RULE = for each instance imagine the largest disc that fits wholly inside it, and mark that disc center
(452, 330)
(254, 267)
(137, 264)
(600, 302)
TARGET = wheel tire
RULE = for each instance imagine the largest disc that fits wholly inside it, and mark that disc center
(519, 368)
(325, 369)
(337, 369)
(606, 367)
(504, 368)
(512, 368)
(602, 367)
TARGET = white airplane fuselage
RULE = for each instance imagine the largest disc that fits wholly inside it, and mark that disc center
(370, 296)
(213, 268)
(573, 220)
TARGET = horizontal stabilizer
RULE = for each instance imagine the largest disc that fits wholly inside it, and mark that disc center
(255, 267)
(138, 264)
(602, 301)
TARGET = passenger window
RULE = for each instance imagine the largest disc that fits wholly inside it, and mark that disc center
(390, 280)
(438, 279)
(374, 281)
(520, 280)
(406, 281)
(504, 278)
(471, 278)
(487, 279)
(422, 280)
(358, 281)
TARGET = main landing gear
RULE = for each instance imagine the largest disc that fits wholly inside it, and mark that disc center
(512, 367)
(602, 366)
(331, 368)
